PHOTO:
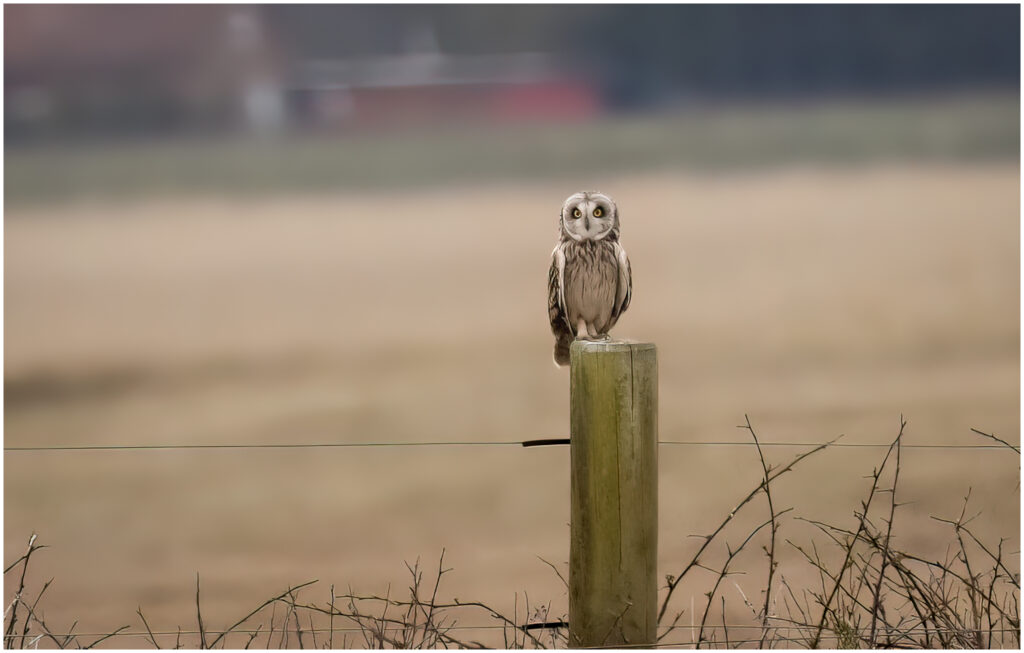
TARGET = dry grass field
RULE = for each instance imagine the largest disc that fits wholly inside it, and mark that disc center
(819, 300)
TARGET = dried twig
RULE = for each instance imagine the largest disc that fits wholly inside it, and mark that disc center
(13, 609)
(722, 575)
(149, 630)
(774, 532)
(105, 637)
(999, 440)
(879, 597)
(674, 581)
(877, 606)
(849, 549)
(199, 617)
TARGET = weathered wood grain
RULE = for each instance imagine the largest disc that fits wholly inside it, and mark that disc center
(614, 512)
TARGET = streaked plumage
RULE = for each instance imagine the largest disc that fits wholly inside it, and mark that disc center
(590, 281)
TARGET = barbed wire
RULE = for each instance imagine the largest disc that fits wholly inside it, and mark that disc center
(470, 443)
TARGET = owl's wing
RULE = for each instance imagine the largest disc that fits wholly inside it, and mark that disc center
(624, 290)
(557, 314)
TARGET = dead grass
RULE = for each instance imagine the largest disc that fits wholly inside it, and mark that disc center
(878, 596)
(820, 301)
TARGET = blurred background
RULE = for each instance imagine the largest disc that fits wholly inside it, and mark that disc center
(296, 224)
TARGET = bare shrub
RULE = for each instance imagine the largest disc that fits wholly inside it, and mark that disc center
(871, 594)
(875, 595)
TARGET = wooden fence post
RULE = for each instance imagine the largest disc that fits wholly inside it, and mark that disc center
(613, 551)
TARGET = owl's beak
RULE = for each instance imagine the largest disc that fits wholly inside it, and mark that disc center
(586, 223)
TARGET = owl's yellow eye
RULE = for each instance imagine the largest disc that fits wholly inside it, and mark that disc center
(598, 212)
(576, 213)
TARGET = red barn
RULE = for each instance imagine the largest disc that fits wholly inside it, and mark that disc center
(430, 88)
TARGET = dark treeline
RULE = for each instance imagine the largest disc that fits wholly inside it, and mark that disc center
(120, 69)
(647, 52)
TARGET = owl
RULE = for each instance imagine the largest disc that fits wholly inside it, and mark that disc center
(590, 281)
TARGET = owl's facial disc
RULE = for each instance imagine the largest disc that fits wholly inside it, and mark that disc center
(588, 216)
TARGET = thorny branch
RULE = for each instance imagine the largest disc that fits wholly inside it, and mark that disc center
(880, 596)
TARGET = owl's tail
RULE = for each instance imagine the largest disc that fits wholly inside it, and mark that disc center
(562, 342)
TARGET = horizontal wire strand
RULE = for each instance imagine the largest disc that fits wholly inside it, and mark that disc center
(865, 629)
(250, 631)
(299, 445)
(337, 629)
(775, 638)
(507, 443)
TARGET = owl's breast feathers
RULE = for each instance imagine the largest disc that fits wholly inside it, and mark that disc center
(589, 281)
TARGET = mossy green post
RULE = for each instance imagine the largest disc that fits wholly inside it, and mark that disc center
(613, 551)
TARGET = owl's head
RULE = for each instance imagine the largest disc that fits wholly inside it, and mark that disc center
(589, 215)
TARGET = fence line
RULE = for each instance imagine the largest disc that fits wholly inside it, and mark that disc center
(507, 443)
(339, 629)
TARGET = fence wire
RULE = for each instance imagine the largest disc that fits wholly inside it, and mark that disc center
(356, 629)
(716, 628)
(475, 443)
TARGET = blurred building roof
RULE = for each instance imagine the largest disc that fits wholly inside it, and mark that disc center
(423, 69)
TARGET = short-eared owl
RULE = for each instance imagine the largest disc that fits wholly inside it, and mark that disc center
(589, 284)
